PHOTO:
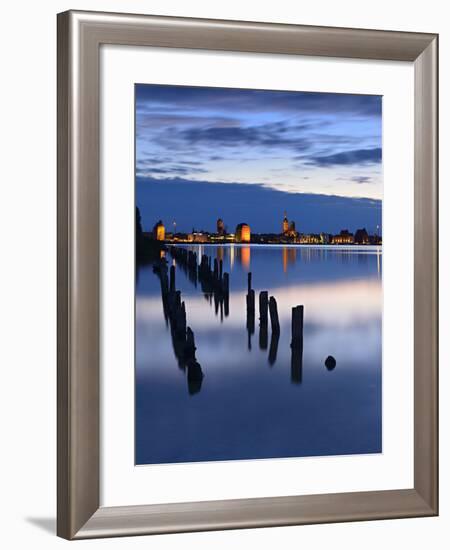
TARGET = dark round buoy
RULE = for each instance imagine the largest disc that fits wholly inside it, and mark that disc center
(330, 362)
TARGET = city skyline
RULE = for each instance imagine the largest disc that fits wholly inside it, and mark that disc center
(250, 152)
(243, 233)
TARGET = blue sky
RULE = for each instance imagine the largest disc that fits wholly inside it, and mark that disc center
(295, 151)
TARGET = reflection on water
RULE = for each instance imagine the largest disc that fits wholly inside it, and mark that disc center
(280, 395)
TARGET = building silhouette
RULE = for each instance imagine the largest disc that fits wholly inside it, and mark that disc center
(220, 227)
(361, 236)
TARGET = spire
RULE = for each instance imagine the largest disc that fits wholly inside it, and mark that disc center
(285, 225)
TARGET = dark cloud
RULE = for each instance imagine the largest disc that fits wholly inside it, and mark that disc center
(232, 99)
(346, 158)
(148, 169)
(264, 136)
(362, 179)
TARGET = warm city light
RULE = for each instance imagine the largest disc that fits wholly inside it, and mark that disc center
(243, 233)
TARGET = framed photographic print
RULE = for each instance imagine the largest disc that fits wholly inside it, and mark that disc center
(247, 274)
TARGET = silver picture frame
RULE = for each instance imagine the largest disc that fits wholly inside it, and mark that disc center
(80, 36)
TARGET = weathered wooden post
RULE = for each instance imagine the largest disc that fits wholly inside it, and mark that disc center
(226, 283)
(297, 326)
(250, 315)
(181, 321)
(263, 336)
(251, 301)
(249, 281)
(189, 348)
(263, 306)
(177, 299)
(216, 270)
(171, 302)
(226, 305)
(172, 278)
(296, 364)
(220, 269)
(297, 345)
(273, 350)
(226, 292)
(194, 376)
(273, 310)
(163, 278)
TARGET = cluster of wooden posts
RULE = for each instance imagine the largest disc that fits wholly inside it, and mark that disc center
(187, 260)
(268, 307)
(214, 282)
(183, 340)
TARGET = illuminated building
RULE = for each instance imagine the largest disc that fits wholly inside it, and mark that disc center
(220, 227)
(243, 233)
(197, 237)
(309, 238)
(289, 228)
(285, 225)
(344, 237)
(159, 231)
(324, 238)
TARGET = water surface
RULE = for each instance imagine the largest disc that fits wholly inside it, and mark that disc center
(257, 398)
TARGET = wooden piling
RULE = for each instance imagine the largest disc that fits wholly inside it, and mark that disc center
(297, 364)
(226, 283)
(251, 300)
(164, 282)
(273, 310)
(263, 306)
(172, 278)
(177, 299)
(273, 350)
(263, 336)
(189, 349)
(297, 326)
(220, 269)
(171, 302)
(249, 281)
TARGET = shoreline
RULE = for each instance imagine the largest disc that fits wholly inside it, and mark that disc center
(368, 247)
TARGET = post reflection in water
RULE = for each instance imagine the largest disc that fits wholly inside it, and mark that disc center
(297, 365)
(273, 348)
(182, 336)
(241, 395)
(297, 345)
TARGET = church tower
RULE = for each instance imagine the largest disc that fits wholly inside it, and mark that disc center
(285, 223)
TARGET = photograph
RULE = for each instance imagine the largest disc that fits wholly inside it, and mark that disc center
(258, 314)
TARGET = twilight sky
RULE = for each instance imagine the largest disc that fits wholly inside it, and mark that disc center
(248, 155)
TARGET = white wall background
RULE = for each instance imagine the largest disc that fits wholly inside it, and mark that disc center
(28, 270)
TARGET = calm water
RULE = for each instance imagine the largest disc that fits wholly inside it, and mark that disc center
(255, 399)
